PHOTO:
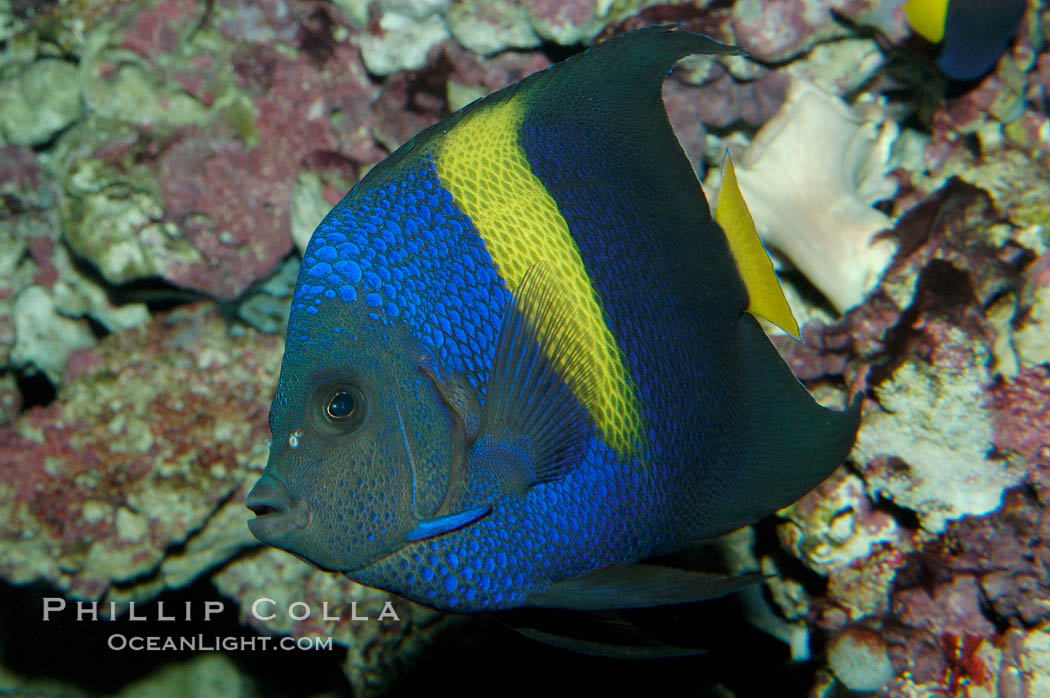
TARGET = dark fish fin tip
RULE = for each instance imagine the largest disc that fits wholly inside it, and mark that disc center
(795, 442)
(601, 648)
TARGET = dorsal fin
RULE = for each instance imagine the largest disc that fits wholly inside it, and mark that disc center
(765, 297)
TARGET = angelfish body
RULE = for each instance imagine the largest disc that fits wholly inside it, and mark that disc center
(520, 358)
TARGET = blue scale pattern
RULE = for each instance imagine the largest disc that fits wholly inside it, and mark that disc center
(403, 252)
(605, 511)
(557, 529)
(400, 251)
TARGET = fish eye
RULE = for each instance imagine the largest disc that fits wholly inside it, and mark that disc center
(341, 405)
(338, 407)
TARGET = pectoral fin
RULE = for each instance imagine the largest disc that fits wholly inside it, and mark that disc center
(534, 425)
(638, 586)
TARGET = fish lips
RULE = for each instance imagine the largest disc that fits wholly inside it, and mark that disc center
(276, 513)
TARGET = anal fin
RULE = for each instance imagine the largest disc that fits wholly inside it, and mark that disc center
(638, 586)
(598, 635)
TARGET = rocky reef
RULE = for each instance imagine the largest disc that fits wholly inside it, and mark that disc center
(163, 162)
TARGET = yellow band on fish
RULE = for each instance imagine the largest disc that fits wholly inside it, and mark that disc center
(481, 163)
(927, 18)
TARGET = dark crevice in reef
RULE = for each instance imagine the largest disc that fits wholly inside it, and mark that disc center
(27, 9)
(36, 389)
(157, 294)
(768, 544)
(97, 328)
(557, 53)
(905, 518)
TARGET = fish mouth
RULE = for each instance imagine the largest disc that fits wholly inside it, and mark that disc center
(276, 513)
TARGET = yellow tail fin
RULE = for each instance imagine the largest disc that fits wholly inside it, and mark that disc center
(765, 297)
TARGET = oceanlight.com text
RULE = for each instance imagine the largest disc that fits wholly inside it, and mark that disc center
(213, 643)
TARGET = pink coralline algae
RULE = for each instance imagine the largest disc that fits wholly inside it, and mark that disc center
(1034, 322)
(962, 596)
(955, 600)
(995, 135)
(42, 296)
(489, 75)
(412, 100)
(20, 174)
(1022, 415)
(156, 30)
(133, 483)
(722, 101)
(943, 265)
(936, 619)
(775, 30)
(961, 117)
(156, 429)
(240, 128)
(209, 173)
(565, 21)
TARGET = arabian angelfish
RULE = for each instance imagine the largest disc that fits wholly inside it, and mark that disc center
(522, 357)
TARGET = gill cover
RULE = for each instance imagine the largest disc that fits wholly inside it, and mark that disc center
(534, 426)
(361, 443)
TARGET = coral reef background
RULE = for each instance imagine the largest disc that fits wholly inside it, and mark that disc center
(162, 162)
